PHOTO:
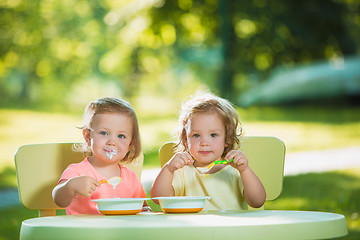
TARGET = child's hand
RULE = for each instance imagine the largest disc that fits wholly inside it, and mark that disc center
(83, 185)
(240, 161)
(179, 160)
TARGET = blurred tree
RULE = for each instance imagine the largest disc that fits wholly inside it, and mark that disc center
(228, 39)
(48, 48)
(254, 36)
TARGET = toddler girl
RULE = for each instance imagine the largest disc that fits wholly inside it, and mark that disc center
(208, 132)
(111, 136)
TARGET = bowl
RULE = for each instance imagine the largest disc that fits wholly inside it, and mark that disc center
(120, 206)
(182, 204)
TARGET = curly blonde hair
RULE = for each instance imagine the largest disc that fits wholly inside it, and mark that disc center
(207, 102)
(112, 105)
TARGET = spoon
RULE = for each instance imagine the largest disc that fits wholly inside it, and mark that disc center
(219, 162)
(112, 181)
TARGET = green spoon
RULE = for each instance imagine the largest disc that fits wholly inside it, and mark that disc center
(222, 161)
(219, 162)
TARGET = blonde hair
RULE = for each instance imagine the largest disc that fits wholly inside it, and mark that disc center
(207, 102)
(112, 105)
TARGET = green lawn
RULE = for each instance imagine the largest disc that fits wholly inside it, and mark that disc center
(337, 192)
(302, 129)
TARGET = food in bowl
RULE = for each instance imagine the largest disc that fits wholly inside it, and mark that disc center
(120, 206)
(182, 204)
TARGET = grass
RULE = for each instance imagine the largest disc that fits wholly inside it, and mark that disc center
(337, 192)
(301, 128)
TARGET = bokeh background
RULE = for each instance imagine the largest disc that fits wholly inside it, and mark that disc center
(291, 68)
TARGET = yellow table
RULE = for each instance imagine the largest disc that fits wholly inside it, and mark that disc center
(264, 224)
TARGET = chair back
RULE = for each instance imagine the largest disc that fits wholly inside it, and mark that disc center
(266, 156)
(38, 170)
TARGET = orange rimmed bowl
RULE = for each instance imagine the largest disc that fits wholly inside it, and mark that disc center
(182, 204)
(120, 206)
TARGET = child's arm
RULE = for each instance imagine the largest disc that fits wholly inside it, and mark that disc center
(162, 186)
(254, 191)
(65, 191)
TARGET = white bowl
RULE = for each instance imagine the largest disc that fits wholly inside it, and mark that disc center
(116, 206)
(183, 204)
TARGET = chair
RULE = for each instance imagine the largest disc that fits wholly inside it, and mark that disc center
(38, 169)
(266, 157)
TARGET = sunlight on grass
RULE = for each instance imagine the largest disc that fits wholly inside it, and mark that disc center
(304, 136)
(288, 203)
(305, 128)
(301, 131)
(157, 132)
(19, 127)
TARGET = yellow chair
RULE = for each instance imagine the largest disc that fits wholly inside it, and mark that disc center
(266, 156)
(38, 169)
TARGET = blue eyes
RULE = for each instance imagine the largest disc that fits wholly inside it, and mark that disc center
(212, 135)
(121, 136)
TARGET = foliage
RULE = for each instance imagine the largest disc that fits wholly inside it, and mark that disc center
(252, 37)
(60, 51)
(54, 51)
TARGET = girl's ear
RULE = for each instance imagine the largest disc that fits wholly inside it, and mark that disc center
(86, 135)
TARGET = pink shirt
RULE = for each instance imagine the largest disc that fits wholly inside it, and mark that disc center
(129, 187)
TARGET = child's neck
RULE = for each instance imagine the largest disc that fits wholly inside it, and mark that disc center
(107, 170)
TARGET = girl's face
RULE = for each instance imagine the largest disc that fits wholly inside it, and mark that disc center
(205, 135)
(110, 137)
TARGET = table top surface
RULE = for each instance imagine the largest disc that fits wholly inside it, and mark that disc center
(266, 224)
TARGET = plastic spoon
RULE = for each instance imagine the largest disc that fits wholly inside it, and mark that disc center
(112, 181)
(219, 162)
(103, 181)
